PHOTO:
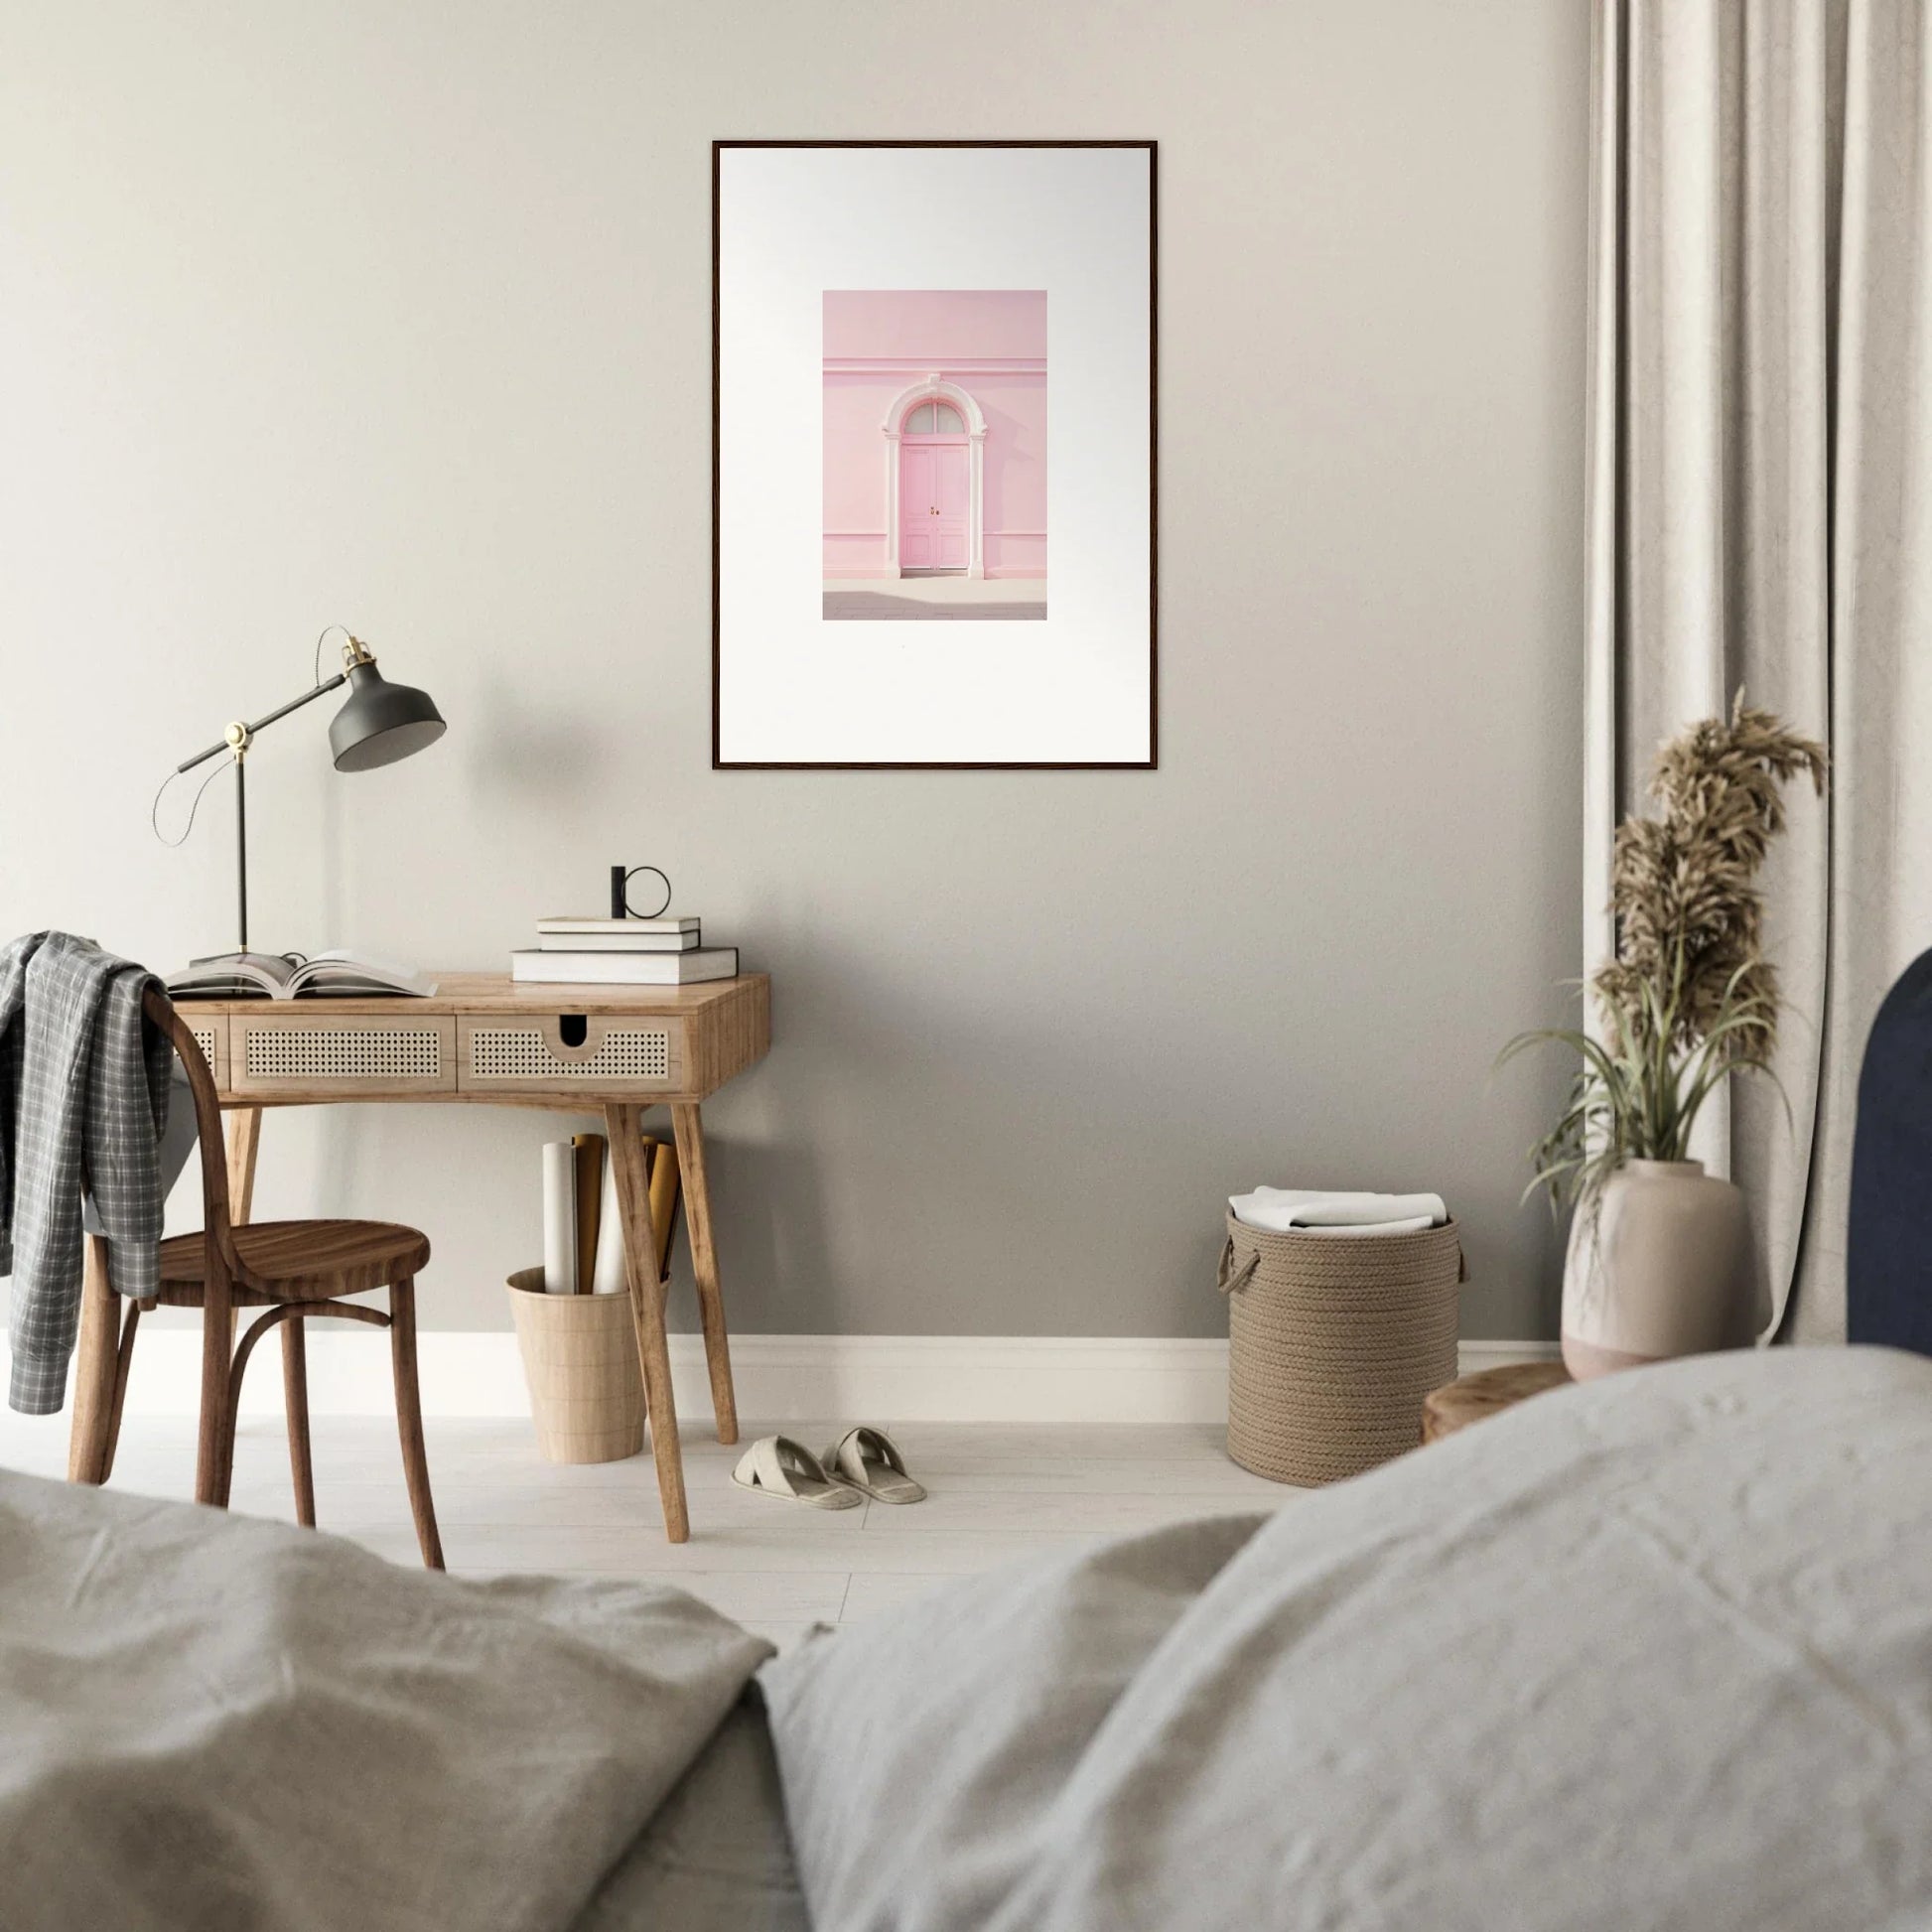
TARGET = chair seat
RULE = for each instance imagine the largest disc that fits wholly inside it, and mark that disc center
(304, 1261)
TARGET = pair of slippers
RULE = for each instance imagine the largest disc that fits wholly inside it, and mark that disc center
(863, 1463)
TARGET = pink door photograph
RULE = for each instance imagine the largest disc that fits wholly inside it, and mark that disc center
(951, 523)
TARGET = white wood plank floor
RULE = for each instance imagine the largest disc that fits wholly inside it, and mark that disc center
(999, 1492)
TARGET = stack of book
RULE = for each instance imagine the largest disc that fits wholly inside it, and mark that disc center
(621, 952)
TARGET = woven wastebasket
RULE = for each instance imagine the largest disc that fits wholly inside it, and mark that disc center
(1333, 1340)
(580, 1360)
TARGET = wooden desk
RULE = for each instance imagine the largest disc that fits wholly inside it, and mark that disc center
(482, 1040)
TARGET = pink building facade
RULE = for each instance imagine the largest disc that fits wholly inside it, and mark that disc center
(935, 433)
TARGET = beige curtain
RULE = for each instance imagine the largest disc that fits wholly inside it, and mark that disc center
(1759, 511)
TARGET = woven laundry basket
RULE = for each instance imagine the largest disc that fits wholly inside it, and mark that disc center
(1333, 1340)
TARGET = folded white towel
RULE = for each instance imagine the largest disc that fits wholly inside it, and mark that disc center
(1315, 1211)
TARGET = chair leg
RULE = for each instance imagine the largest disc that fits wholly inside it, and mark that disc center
(123, 1362)
(229, 1432)
(409, 1417)
(214, 1450)
(295, 1399)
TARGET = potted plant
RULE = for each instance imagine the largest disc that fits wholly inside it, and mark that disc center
(1658, 1258)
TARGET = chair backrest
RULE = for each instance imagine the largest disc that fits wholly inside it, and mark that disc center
(217, 1228)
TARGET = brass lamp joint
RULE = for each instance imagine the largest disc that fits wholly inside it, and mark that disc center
(356, 652)
(239, 738)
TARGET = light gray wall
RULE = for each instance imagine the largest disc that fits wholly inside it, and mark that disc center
(400, 315)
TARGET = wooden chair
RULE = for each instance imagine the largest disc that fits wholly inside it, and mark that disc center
(291, 1269)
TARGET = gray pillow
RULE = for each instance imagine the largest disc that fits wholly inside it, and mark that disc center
(920, 1749)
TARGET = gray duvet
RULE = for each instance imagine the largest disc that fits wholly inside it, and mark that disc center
(1652, 1653)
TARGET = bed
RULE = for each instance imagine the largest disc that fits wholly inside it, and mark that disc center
(1655, 1651)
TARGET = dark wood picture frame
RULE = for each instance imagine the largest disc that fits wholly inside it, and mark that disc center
(1153, 760)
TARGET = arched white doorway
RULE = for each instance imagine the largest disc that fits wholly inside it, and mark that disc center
(935, 490)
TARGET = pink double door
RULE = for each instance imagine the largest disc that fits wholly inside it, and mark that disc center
(934, 506)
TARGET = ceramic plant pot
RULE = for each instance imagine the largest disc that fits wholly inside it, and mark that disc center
(1660, 1267)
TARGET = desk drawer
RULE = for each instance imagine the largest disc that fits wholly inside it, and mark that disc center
(562, 1052)
(316, 1052)
(210, 1031)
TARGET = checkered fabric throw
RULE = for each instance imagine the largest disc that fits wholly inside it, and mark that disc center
(84, 1091)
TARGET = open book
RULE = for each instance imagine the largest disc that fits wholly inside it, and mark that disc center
(289, 976)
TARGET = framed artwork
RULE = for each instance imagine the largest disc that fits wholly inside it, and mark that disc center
(933, 479)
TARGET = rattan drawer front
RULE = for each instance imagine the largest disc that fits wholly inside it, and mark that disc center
(312, 1052)
(211, 1032)
(569, 1054)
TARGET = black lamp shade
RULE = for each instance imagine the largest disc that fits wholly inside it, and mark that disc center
(381, 722)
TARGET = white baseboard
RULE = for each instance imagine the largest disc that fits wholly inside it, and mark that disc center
(778, 1378)
(1473, 1356)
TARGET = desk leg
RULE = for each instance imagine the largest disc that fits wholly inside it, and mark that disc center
(688, 1126)
(624, 1127)
(244, 1132)
(244, 1141)
(94, 1363)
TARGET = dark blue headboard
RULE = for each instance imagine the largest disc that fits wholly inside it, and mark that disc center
(1888, 1247)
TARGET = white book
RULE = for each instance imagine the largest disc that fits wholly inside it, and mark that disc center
(559, 1218)
(686, 942)
(608, 1276)
(624, 968)
(559, 922)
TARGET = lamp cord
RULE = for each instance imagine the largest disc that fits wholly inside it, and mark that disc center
(316, 674)
(154, 810)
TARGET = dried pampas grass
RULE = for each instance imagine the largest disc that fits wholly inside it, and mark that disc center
(1689, 997)
(1690, 918)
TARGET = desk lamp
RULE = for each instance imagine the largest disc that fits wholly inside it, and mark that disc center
(379, 724)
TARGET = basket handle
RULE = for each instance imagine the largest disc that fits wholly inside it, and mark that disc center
(1229, 1279)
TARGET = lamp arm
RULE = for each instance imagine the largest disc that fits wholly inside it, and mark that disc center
(249, 730)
